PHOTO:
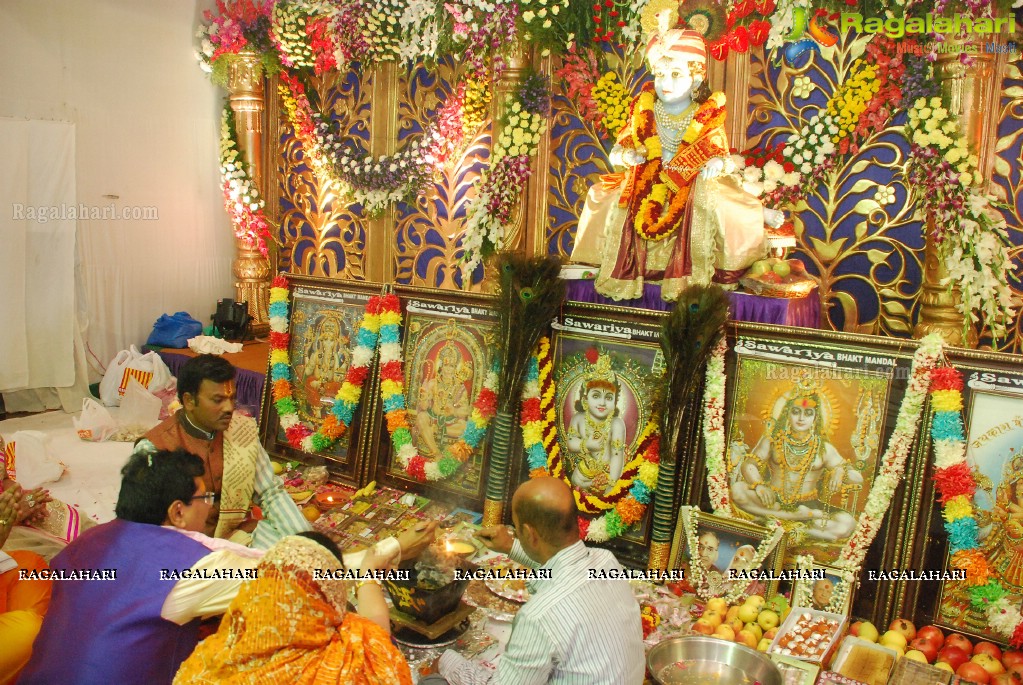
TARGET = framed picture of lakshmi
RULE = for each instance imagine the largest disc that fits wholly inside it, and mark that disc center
(323, 322)
(808, 416)
(448, 344)
(604, 374)
(993, 416)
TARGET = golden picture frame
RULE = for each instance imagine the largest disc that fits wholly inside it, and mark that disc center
(823, 587)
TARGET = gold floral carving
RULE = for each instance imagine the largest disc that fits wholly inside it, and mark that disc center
(1007, 181)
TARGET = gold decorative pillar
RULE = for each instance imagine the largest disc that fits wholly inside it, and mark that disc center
(973, 96)
(251, 269)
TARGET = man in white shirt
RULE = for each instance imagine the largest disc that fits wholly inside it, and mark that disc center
(575, 629)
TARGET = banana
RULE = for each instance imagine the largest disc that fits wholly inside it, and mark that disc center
(366, 491)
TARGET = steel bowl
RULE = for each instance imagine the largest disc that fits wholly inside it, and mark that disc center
(700, 660)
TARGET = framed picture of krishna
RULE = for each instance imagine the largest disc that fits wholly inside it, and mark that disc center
(985, 524)
(598, 383)
(797, 434)
(447, 344)
(301, 414)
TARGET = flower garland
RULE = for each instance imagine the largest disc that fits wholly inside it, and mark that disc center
(392, 391)
(956, 487)
(714, 430)
(381, 325)
(241, 196)
(300, 436)
(499, 188)
(626, 502)
(801, 597)
(893, 461)
(706, 587)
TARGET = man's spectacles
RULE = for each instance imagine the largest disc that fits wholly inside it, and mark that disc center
(210, 498)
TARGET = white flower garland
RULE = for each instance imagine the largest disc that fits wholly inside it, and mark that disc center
(706, 588)
(893, 462)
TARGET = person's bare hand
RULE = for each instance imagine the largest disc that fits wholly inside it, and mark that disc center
(32, 505)
(497, 538)
(9, 500)
(414, 540)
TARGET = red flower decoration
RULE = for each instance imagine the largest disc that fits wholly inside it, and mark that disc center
(487, 402)
(954, 481)
(766, 7)
(530, 410)
(417, 468)
(758, 32)
(584, 527)
(1017, 636)
(280, 281)
(946, 378)
(357, 374)
(391, 371)
(718, 49)
(279, 341)
(592, 355)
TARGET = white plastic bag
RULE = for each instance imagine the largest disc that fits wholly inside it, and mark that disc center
(36, 466)
(148, 369)
(95, 424)
(140, 409)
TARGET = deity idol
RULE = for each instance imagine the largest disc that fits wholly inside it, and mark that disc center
(793, 471)
(671, 223)
(444, 405)
(596, 433)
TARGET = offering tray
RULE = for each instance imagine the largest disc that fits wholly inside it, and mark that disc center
(433, 631)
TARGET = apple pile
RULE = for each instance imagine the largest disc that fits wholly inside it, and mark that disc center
(753, 623)
(776, 270)
(983, 662)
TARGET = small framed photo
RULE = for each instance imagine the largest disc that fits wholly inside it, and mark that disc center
(794, 671)
(724, 557)
(822, 587)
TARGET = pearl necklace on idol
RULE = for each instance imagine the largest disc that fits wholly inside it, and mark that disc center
(671, 127)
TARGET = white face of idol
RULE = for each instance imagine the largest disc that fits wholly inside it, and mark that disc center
(673, 80)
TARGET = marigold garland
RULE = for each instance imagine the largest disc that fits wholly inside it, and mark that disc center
(609, 514)
(381, 325)
(300, 435)
(956, 486)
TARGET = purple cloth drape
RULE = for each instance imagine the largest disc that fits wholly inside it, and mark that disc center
(248, 384)
(803, 312)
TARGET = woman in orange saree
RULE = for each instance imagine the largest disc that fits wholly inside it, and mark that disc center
(290, 625)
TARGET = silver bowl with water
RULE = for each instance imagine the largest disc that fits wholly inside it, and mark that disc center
(700, 660)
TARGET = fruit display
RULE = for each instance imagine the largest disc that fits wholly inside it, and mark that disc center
(775, 277)
(981, 662)
(752, 623)
(808, 634)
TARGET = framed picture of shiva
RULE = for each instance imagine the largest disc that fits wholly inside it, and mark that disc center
(807, 422)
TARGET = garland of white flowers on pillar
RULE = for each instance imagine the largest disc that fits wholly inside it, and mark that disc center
(241, 196)
(893, 462)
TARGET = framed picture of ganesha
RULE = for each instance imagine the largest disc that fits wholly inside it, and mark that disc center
(323, 322)
(604, 375)
(807, 423)
(448, 346)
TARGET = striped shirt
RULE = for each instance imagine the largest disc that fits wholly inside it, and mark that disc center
(573, 630)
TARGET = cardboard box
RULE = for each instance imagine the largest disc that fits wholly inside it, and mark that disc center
(809, 635)
(909, 672)
(864, 661)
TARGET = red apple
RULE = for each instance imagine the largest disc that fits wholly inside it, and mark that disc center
(1011, 658)
(901, 625)
(974, 672)
(953, 656)
(990, 664)
(1005, 679)
(988, 648)
(926, 645)
(1017, 670)
(934, 633)
(957, 640)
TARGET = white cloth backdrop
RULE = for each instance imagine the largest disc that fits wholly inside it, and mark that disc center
(37, 177)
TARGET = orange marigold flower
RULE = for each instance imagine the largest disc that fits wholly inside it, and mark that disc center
(978, 571)
(397, 419)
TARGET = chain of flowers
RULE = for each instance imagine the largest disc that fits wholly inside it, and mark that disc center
(956, 487)
(714, 430)
(499, 188)
(893, 462)
(697, 571)
(801, 596)
(241, 196)
(300, 436)
(613, 512)
(381, 325)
